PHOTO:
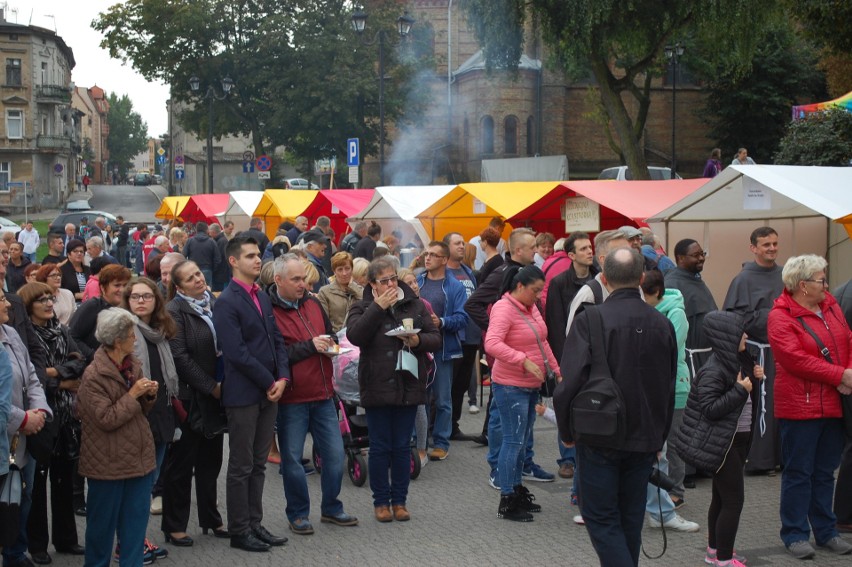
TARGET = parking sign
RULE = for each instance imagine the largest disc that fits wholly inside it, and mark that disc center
(353, 158)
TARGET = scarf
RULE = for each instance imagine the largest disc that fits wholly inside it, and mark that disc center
(202, 307)
(167, 362)
(55, 347)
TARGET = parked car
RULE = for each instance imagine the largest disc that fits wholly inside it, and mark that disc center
(142, 179)
(58, 224)
(299, 183)
(8, 226)
(81, 205)
(623, 173)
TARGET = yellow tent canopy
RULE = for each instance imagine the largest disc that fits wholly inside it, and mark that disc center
(468, 207)
(171, 207)
(847, 224)
(278, 205)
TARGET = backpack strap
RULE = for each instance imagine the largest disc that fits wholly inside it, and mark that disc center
(596, 338)
(597, 290)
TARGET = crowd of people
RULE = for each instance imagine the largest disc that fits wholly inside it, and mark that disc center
(131, 351)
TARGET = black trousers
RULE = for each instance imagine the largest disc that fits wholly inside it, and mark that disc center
(63, 524)
(192, 454)
(462, 371)
(843, 488)
(726, 504)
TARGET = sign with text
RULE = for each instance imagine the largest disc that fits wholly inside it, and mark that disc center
(756, 196)
(353, 153)
(264, 175)
(325, 166)
(353, 175)
(581, 214)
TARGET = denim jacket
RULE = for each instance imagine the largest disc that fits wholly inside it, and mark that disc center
(455, 318)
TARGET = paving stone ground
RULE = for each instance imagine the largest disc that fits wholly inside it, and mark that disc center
(454, 523)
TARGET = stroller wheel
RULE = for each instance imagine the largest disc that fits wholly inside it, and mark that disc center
(317, 459)
(415, 463)
(357, 466)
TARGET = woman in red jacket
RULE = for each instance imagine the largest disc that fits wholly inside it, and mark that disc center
(811, 343)
(517, 339)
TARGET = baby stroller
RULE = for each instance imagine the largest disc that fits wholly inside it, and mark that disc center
(353, 426)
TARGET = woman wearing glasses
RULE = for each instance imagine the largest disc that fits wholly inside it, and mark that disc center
(392, 380)
(74, 274)
(64, 306)
(64, 368)
(811, 343)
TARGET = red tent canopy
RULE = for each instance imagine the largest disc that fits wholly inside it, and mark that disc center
(338, 205)
(205, 207)
(620, 202)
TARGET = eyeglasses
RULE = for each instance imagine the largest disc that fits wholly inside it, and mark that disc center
(46, 299)
(433, 255)
(823, 282)
(142, 297)
(387, 281)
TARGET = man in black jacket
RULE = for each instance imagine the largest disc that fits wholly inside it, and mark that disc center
(122, 240)
(222, 274)
(203, 250)
(641, 352)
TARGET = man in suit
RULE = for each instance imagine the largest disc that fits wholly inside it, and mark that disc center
(256, 373)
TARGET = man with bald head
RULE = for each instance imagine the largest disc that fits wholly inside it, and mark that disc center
(300, 227)
(166, 265)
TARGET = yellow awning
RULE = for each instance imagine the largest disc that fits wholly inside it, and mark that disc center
(278, 205)
(468, 207)
(171, 207)
(847, 224)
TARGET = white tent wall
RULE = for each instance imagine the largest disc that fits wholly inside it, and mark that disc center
(396, 208)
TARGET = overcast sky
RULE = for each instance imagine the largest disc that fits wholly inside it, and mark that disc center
(72, 21)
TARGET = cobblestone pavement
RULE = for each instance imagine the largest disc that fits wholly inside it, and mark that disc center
(454, 523)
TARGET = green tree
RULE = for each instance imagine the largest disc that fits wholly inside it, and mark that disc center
(128, 133)
(822, 138)
(753, 110)
(302, 78)
(622, 45)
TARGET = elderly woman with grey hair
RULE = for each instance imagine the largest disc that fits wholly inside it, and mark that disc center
(117, 451)
(812, 344)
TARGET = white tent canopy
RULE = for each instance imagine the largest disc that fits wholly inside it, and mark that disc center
(798, 201)
(390, 205)
(241, 206)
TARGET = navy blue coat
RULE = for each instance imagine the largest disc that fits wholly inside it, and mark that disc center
(252, 346)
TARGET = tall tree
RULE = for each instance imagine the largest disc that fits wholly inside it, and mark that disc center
(128, 133)
(302, 79)
(621, 43)
(821, 138)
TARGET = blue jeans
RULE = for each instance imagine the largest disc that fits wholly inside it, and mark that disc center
(208, 275)
(810, 452)
(390, 450)
(495, 440)
(16, 552)
(566, 455)
(122, 507)
(516, 407)
(294, 423)
(442, 389)
(659, 498)
(613, 486)
(31, 256)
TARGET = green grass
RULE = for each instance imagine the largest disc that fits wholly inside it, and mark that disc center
(41, 227)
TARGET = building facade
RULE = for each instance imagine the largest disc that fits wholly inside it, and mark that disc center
(93, 105)
(40, 133)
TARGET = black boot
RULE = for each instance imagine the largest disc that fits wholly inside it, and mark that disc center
(509, 509)
(525, 499)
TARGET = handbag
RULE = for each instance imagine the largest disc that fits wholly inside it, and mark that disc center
(41, 445)
(11, 488)
(845, 399)
(549, 384)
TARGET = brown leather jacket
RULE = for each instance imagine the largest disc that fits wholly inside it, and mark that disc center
(117, 441)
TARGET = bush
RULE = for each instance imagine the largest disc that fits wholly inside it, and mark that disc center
(822, 138)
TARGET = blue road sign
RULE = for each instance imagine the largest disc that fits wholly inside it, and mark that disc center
(161, 159)
(353, 157)
(248, 167)
(179, 174)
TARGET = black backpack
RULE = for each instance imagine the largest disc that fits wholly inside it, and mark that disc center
(598, 412)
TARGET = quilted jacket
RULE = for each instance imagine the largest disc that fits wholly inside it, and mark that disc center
(715, 401)
(805, 383)
(117, 442)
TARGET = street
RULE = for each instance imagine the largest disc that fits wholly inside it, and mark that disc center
(135, 204)
(454, 522)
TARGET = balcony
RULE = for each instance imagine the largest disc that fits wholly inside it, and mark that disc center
(53, 94)
(58, 143)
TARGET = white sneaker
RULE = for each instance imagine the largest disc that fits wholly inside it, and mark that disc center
(578, 519)
(157, 505)
(677, 524)
(473, 408)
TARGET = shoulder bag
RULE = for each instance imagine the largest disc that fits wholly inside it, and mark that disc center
(11, 486)
(549, 384)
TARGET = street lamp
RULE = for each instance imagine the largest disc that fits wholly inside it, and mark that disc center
(210, 96)
(674, 53)
(403, 27)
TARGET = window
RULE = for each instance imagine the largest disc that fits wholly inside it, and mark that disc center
(14, 124)
(487, 128)
(13, 72)
(531, 136)
(5, 176)
(44, 80)
(510, 135)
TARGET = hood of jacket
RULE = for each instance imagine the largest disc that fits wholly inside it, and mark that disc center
(724, 331)
(786, 302)
(672, 300)
(201, 236)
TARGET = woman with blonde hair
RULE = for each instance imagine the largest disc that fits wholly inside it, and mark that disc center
(338, 296)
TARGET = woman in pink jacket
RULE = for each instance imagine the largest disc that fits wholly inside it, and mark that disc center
(517, 339)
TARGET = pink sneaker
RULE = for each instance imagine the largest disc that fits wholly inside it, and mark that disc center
(710, 558)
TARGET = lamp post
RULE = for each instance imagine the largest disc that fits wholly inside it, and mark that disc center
(210, 96)
(674, 53)
(403, 27)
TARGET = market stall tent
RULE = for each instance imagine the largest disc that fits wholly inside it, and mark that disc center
(396, 208)
(799, 202)
(278, 205)
(204, 207)
(171, 207)
(241, 206)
